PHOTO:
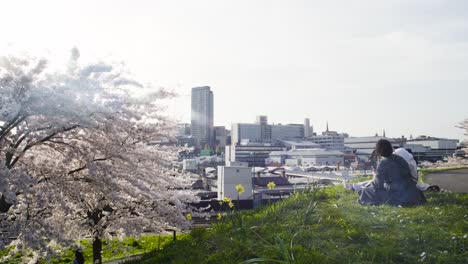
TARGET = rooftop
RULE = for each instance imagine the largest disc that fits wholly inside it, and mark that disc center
(307, 152)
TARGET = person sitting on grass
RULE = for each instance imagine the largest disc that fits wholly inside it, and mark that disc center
(393, 183)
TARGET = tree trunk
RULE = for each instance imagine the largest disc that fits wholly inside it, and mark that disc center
(4, 206)
(97, 248)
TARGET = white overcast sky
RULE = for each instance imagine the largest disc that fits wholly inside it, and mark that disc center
(363, 66)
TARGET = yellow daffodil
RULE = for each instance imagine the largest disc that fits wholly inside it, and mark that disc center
(230, 204)
(189, 217)
(220, 216)
(271, 185)
(227, 200)
(239, 188)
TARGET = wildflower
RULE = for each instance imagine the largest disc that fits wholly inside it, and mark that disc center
(189, 217)
(228, 201)
(219, 216)
(240, 189)
(271, 185)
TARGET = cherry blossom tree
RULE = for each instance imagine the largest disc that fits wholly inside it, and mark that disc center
(75, 159)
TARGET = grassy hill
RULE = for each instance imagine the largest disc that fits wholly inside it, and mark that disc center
(322, 225)
(328, 226)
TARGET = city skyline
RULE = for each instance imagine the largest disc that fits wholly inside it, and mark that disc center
(363, 67)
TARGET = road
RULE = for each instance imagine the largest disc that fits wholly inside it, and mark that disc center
(453, 180)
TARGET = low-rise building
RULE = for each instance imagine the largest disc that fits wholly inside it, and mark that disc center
(252, 153)
(307, 157)
(189, 164)
(230, 177)
(366, 145)
(331, 140)
(298, 144)
(436, 148)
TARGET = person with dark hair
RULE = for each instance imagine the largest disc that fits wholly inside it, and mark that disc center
(393, 183)
(79, 259)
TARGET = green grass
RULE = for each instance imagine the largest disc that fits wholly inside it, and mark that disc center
(329, 226)
(317, 226)
(112, 249)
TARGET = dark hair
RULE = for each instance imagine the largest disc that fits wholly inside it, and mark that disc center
(383, 148)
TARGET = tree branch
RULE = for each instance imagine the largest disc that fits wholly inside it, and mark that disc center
(44, 139)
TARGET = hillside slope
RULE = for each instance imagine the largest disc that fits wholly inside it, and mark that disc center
(328, 226)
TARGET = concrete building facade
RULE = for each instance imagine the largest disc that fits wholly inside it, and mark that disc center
(308, 157)
(308, 130)
(262, 132)
(254, 154)
(435, 148)
(229, 177)
(220, 137)
(202, 116)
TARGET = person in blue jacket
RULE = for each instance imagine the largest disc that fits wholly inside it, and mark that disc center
(392, 183)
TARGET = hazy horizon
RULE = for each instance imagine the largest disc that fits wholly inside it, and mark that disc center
(363, 66)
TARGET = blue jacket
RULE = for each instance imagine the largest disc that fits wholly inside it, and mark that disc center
(392, 185)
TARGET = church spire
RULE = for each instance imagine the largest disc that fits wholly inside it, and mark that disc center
(384, 133)
(327, 126)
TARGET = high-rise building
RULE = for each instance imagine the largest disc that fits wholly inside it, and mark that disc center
(202, 116)
(220, 137)
(307, 128)
(262, 120)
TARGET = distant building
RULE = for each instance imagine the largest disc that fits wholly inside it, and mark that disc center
(330, 140)
(366, 145)
(254, 154)
(262, 132)
(436, 148)
(290, 131)
(251, 132)
(308, 130)
(202, 116)
(229, 177)
(189, 165)
(261, 120)
(298, 144)
(186, 141)
(220, 137)
(419, 151)
(183, 129)
(183, 135)
(307, 157)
